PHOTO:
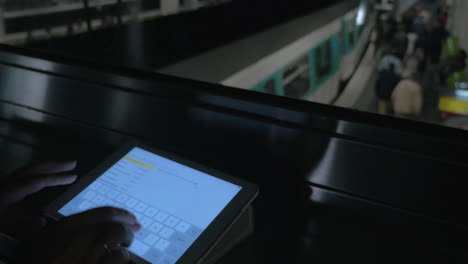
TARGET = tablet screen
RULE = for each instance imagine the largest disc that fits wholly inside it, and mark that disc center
(173, 202)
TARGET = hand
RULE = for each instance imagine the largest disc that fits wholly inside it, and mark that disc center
(84, 239)
(24, 182)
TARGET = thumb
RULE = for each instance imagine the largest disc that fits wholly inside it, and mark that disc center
(18, 192)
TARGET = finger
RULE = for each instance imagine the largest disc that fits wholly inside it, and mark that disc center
(19, 191)
(102, 215)
(50, 167)
(116, 234)
(75, 248)
(110, 236)
(118, 256)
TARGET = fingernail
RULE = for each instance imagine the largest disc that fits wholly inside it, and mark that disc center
(70, 163)
(74, 177)
(67, 165)
(138, 227)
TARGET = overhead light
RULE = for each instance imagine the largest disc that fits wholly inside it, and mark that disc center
(361, 14)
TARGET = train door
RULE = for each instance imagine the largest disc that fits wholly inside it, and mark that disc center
(272, 85)
(353, 34)
(335, 52)
(323, 61)
(344, 38)
(350, 35)
(2, 26)
(295, 79)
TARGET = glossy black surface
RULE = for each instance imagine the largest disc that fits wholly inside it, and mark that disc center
(336, 185)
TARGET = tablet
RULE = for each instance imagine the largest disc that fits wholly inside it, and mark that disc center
(184, 208)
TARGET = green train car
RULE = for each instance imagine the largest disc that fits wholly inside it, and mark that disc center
(307, 58)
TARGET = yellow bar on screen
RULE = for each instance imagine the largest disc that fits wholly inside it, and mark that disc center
(137, 162)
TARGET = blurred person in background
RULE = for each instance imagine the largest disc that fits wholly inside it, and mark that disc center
(436, 38)
(389, 59)
(391, 28)
(419, 26)
(442, 16)
(444, 19)
(407, 97)
(424, 13)
(412, 66)
(408, 19)
(387, 79)
(400, 42)
(411, 47)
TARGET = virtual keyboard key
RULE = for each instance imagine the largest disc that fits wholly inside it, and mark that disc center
(162, 244)
(174, 251)
(99, 199)
(112, 194)
(156, 227)
(89, 195)
(137, 215)
(114, 204)
(106, 202)
(161, 217)
(146, 221)
(172, 221)
(104, 190)
(151, 239)
(141, 207)
(154, 256)
(181, 240)
(122, 198)
(131, 202)
(85, 205)
(142, 234)
(95, 186)
(193, 232)
(151, 211)
(167, 260)
(138, 247)
(182, 227)
(166, 232)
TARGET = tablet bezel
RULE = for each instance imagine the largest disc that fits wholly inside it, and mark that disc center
(208, 237)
